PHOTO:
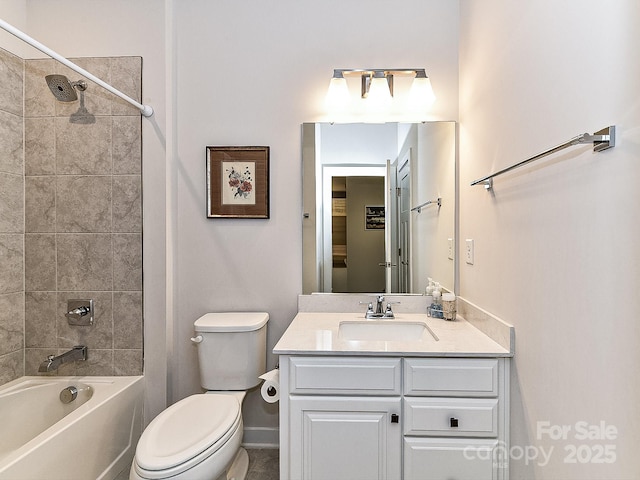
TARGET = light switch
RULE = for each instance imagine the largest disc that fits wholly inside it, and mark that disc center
(469, 251)
(450, 248)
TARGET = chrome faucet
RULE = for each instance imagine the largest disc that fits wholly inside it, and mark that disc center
(378, 313)
(79, 352)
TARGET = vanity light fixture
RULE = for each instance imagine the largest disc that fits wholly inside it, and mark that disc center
(376, 88)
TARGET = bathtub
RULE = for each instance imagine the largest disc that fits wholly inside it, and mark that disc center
(92, 437)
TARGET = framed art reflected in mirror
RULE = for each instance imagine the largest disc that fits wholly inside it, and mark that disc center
(237, 182)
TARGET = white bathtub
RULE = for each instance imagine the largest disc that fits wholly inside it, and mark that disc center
(93, 437)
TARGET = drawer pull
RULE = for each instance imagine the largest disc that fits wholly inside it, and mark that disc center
(395, 418)
(453, 422)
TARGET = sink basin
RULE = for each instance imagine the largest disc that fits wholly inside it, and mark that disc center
(385, 330)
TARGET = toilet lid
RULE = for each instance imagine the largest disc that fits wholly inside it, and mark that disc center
(186, 429)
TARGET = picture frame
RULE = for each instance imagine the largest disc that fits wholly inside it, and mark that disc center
(237, 182)
(374, 217)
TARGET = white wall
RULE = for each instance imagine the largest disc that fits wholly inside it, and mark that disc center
(14, 12)
(555, 242)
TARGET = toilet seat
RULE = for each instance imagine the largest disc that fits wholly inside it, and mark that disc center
(187, 433)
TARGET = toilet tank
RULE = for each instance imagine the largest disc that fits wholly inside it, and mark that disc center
(232, 349)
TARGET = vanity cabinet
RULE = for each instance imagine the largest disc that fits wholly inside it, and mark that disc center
(392, 418)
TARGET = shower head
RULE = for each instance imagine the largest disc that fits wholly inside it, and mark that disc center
(63, 89)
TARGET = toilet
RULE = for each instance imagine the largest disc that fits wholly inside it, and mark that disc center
(199, 437)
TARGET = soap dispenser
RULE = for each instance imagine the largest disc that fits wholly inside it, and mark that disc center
(436, 305)
(428, 291)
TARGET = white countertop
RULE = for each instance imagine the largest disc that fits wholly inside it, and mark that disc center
(316, 333)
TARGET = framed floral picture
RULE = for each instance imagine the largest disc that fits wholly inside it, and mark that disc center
(238, 182)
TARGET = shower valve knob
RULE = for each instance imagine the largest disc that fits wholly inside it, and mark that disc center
(80, 312)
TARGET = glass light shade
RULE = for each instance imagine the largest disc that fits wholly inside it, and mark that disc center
(421, 94)
(338, 97)
(379, 96)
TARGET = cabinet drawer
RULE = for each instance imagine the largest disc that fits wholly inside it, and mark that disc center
(438, 459)
(462, 377)
(345, 376)
(465, 417)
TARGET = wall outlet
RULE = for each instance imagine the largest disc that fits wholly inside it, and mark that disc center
(450, 248)
(468, 254)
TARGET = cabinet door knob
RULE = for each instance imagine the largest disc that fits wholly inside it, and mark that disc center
(395, 418)
(453, 422)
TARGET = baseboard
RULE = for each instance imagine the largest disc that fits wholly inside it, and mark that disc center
(261, 437)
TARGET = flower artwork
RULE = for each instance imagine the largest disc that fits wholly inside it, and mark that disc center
(240, 178)
(237, 182)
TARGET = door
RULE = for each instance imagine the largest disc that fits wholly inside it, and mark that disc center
(404, 226)
(391, 228)
(345, 438)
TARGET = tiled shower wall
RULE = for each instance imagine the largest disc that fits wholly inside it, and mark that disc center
(82, 221)
(11, 218)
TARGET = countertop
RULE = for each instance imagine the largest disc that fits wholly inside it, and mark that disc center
(316, 333)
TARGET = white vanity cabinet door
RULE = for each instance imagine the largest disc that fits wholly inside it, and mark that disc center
(345, 438)
(440, 459)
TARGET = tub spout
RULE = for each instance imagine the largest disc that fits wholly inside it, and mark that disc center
(79, 352)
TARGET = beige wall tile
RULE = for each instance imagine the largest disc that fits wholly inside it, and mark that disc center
(127, 151)
(39, 146)
(83, 149)
(127, 362)
(127, 320)
(11, 79)
(11, 366)
(11, 203)
(11, 263)
(40, 262)
(127, 262)
(11, 322)
(40, 319)
(99, 362)
(11, 143)
(126, 76)
(83, 204)
(84, 262)
(127, 203)
(38, 99)
(40, 204)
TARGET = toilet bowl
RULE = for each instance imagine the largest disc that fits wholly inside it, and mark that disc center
(199, 437)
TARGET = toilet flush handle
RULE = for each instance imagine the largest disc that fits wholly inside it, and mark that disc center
(197, 339)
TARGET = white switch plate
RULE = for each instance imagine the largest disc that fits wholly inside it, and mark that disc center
(450, 248)
(469, 251)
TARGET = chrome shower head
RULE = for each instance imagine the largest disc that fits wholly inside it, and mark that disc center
(63, 89)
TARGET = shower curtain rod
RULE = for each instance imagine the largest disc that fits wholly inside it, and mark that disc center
(146, 110)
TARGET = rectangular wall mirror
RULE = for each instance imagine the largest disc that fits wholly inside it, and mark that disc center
(378, 207)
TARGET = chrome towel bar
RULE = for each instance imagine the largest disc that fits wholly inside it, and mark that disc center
(601, 140)
(419, 207)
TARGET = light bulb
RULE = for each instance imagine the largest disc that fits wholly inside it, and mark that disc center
(379, 96)
(421, 95)
(338, 97)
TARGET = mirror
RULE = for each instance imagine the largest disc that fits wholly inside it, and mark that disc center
(372, 221)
